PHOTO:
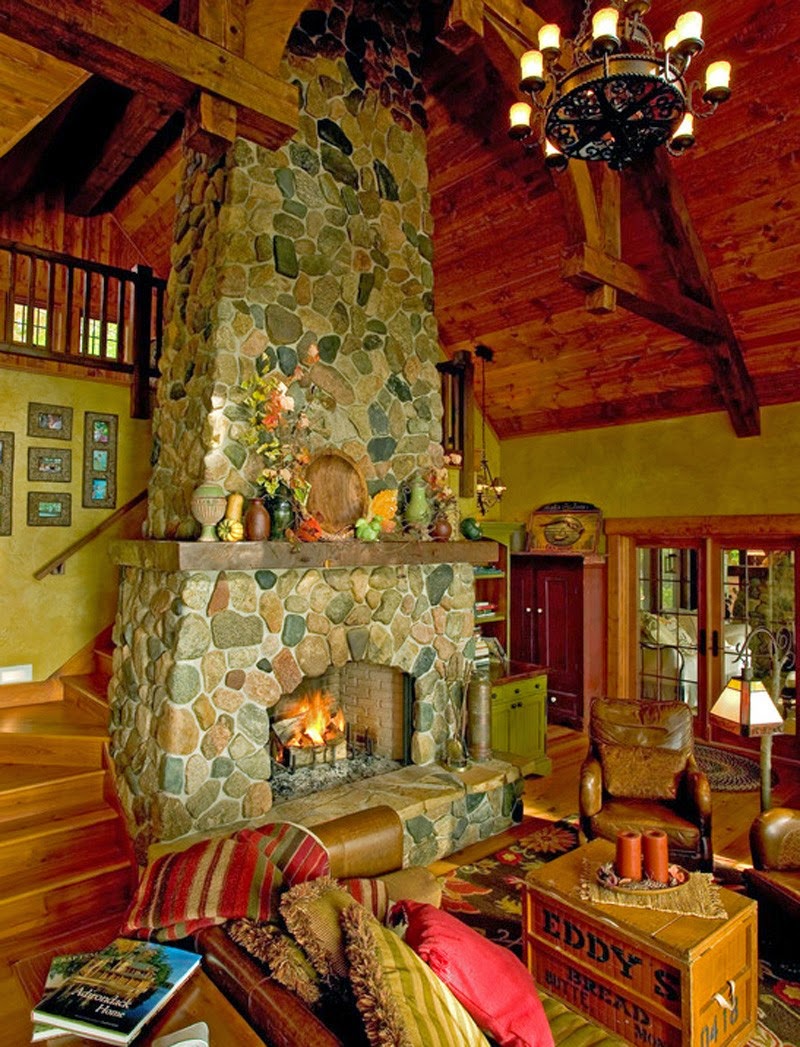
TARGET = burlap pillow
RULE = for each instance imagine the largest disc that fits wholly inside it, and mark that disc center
(311, 913)
(641, 773)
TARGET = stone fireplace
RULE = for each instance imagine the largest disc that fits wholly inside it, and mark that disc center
(315, 257)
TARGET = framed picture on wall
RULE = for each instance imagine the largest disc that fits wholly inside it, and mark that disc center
(6, 481)
(50, 464)
(99, 460)
(49, 509)
(50, 421)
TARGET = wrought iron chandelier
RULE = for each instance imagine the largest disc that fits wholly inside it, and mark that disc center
(614, 93)
(489, 489)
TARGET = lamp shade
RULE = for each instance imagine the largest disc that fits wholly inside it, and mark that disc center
(745, 708)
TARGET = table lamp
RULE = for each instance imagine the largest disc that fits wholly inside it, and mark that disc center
(746, 708)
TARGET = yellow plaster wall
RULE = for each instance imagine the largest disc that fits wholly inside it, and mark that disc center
(682, 467)
(45, 622)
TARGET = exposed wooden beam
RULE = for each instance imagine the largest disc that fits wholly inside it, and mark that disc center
(142, 120)
(211, 121)
(587, 267)
(662, 195)
(126, 43)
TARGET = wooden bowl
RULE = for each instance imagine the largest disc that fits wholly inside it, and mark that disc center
(338, 495)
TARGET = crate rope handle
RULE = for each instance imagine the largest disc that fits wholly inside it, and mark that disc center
(727, 1004)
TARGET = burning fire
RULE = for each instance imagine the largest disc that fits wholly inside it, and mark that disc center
(316, 722)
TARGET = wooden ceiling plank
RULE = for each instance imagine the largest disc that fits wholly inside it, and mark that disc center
(126, 43)
(662, 195)
(142, 120)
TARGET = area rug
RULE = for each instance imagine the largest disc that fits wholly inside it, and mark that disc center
(727, 771)
(487, 895)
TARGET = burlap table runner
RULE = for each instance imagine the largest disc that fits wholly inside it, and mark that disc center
(698, 897)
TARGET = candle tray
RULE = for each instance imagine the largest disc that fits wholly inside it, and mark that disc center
(607, 877)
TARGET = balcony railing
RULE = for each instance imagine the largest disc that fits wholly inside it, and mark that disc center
(56, 307)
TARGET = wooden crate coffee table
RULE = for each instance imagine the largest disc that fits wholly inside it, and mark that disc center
(655, 978)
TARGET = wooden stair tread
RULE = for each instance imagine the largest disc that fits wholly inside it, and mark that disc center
(22, 776)
(13, 889)
(32, 827)
(51, 718)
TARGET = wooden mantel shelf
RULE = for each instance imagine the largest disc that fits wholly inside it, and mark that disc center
(156, 555)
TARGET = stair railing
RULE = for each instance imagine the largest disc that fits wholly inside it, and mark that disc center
(56, 307)
(54, 566)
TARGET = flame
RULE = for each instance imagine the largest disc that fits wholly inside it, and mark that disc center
(318, 723)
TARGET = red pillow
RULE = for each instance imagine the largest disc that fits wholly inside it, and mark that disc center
(491, 983)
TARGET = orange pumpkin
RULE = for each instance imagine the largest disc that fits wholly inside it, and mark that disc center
(309, 530)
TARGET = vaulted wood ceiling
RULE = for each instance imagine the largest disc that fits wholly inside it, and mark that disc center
(703, 288)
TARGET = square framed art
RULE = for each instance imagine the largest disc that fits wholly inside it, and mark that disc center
(50, 421)
(49, 509)
(99, 460)
(50, 464)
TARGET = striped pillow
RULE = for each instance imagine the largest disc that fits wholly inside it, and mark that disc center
(400, 999)
(223, 879)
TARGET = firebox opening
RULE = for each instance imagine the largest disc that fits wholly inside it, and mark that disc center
(350, 723)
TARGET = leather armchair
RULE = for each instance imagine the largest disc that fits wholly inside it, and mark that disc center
(640, 773)
(774, 881)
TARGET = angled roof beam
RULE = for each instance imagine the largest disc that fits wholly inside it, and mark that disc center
(124, 42)
(663, 197)
(140, 123)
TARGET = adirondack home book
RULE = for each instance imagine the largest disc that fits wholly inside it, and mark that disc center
(115, 991)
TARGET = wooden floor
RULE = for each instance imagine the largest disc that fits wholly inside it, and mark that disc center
(554, 796)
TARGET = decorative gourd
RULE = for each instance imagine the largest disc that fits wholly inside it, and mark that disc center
(233, 510)
(230, 530)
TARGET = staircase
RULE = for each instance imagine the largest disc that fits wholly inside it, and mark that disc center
(65, 859)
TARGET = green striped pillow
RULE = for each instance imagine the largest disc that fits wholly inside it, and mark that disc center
(401, 1000)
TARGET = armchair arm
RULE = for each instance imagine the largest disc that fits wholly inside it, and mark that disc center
(775, 839)
(590, 791)
(696, 802)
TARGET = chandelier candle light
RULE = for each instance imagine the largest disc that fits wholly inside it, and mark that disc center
(619, 93)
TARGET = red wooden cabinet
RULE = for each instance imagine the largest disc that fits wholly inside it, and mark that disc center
(558, 619)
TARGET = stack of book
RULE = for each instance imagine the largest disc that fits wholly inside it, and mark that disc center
(485, 609)
(482, 654)
(109, 995)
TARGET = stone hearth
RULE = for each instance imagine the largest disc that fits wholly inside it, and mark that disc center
(203, 655)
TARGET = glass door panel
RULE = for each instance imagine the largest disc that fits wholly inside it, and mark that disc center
(758, 589)
(669, 624)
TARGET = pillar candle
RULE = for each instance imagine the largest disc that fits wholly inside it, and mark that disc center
(629, 855)
(656, 859)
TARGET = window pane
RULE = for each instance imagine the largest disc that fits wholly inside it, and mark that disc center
(668, 626)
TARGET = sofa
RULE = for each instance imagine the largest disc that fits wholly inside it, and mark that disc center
(366, 846)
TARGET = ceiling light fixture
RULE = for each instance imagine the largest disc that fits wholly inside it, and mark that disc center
(618, 93)
(489, 489)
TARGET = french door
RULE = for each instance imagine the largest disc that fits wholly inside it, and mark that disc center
(684, 595)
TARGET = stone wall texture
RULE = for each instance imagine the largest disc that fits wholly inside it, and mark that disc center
(201, 658)
(325, 242)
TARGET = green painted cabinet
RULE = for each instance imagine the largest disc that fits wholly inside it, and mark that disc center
(519, 716)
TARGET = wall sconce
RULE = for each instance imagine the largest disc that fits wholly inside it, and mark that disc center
(489, 489)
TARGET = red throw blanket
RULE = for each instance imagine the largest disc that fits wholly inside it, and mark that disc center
(223, 879)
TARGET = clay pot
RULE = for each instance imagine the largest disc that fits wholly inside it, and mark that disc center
(441, 529)
(257, 523)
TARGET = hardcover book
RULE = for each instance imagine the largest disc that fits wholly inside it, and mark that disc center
(114, 992)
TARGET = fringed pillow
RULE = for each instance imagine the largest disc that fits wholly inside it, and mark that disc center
(311, 913)
(402, 1002)
(280, 954)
